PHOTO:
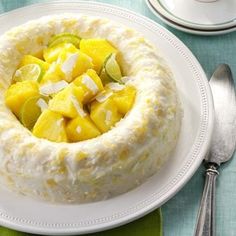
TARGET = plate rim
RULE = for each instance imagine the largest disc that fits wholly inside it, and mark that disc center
(164, 12)
(18, 224)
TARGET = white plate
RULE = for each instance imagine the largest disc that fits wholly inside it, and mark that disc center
(180, 27)
(198, 14)
(25, 214)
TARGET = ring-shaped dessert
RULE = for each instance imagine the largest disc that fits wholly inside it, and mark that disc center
(112, 163)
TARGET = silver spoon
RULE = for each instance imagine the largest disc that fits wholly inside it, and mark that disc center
(222, 147)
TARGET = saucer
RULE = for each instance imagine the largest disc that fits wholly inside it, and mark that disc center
(198, 14)
(192, 30)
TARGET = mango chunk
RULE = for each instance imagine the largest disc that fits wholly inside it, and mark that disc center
(28, 59)
(98, 49)
(50, 54)
(18, 93)
(50, 125)
(124, 99)
(68, 102)
(81, 128)
(73, 64)
(104, 114)
(91, 84)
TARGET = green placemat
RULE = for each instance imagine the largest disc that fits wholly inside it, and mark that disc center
(149, 225)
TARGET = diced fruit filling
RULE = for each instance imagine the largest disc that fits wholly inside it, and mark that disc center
(98, 50)
(75, 93)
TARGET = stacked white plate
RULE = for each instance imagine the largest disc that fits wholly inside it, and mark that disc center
(204, 17)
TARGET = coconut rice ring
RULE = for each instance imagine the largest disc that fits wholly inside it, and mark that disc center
(112, 163)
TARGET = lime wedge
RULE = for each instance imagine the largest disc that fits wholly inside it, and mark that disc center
(104, 77)
(30, 111)
(28, 72)
(112, 68)
(64, 38)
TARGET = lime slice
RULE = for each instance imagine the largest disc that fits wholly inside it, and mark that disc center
(30, 111)
(112, 68)
(28, 72)
(64, 38)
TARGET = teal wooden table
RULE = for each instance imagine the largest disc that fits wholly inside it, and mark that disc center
(180, 212)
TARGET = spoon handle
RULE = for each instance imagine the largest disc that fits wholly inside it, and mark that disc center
(206, 215)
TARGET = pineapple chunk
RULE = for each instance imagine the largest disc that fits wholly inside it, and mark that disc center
(68, 101)
(28, 59)
(91, 84)
(52, 75)
(98, 49)
(38, 54)
(81, 128)
(73, 64)
(50, 54)
(124, 99)
(104, 114)
(50, 125)
(18, 93)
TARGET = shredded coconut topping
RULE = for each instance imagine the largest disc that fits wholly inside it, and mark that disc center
(78, 129)
(78, 108)
(103, 97)
(42, 104)
(69, 64)
(108, 117)
(52, 67)
(116, 86)
(18, 73)
(90, 84)
(51, 88)
(59, 122)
